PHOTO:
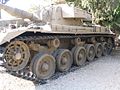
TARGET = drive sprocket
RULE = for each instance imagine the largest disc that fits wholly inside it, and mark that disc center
(16, 55)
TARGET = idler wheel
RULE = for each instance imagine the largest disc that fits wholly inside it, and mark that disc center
(110, 45)
(16, 55)
(43, 66)
(63, 59)
(105, 49)
(79, 55)
(90, 52)
(98, 50)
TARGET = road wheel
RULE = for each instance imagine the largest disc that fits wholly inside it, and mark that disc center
(16, 55)
(98, 50)
(79, 56)
(63, 59)
(43, 66)
(90, 52)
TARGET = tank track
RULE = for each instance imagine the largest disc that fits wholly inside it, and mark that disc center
(25, 74)
(31, 77)
(35, 38)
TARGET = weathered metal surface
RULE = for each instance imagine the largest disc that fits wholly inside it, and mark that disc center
(55, 32)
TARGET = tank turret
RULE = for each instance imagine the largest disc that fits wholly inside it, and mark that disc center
(64, 14)
(18, 13)
(55, 14)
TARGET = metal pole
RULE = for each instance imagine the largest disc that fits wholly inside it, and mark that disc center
(0, 13)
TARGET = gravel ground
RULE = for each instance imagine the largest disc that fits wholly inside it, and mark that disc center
(103, 74)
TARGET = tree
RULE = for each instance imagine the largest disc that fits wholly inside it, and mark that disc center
(114, 20)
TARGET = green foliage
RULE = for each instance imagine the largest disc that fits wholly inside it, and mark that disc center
(113, 20)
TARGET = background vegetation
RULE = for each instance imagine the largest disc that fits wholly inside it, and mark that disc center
(104, 12)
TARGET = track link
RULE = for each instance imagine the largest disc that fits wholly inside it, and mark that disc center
(24, 74)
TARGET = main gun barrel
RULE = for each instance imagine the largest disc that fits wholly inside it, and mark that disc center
(18, 13)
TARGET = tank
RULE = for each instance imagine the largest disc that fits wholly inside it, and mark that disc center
(59, 37)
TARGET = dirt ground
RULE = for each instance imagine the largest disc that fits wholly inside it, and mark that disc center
(102, 74)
